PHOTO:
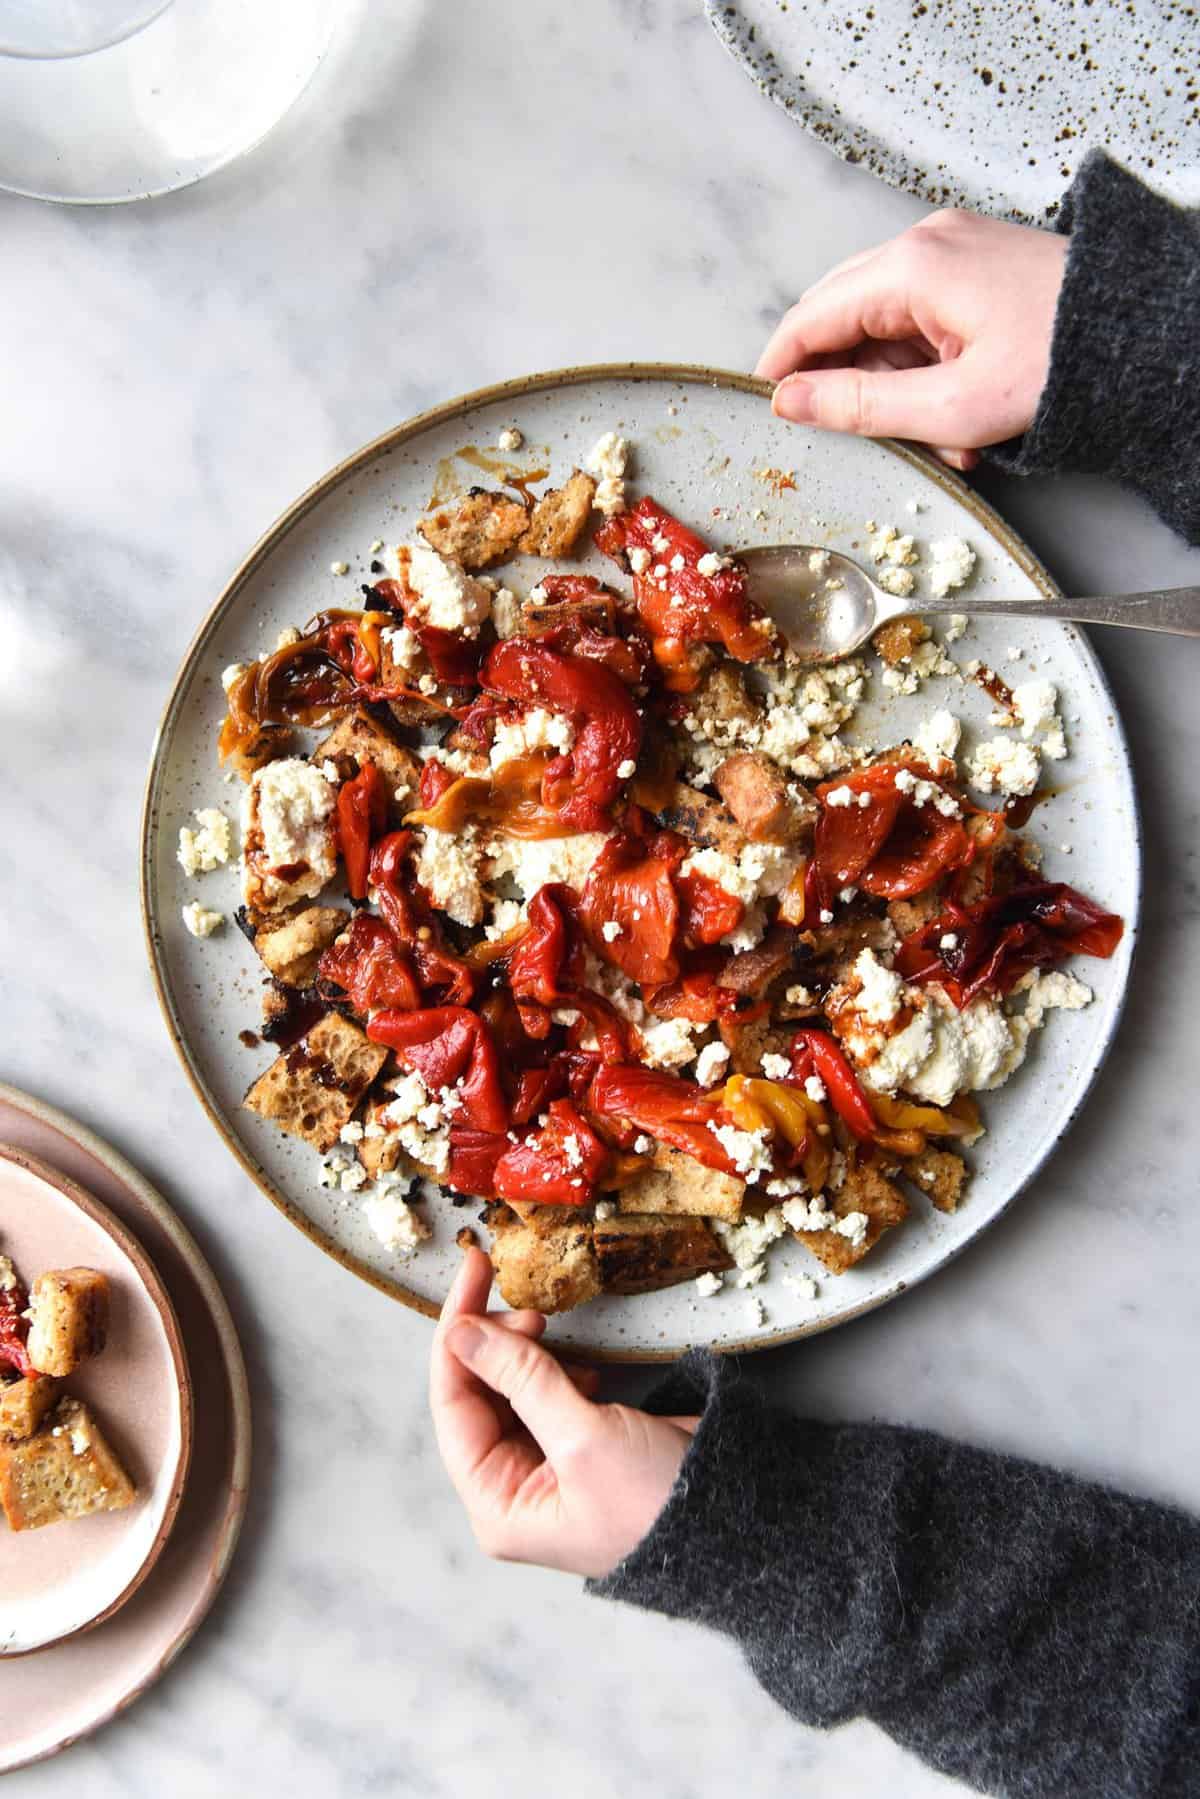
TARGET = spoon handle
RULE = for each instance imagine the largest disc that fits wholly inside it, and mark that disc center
(1174, 609)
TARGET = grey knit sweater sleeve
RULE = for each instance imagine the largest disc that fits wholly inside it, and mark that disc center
(1028, 1632)
(1123, 393)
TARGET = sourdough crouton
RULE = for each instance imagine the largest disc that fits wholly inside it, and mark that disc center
(679, 1185)
(768, 808)
(863, 1190)
(702, 820)
(68, 1310)
(546, 1262)
(291, 945)
(832, 948)
(479, 530)
(266, 743)
(897, 640)
(939, 1173)
(636, 1254)
(909, 915)
(753, 970)
(65, 1470)
(747, 1042)
(314, 1088)
(378, 1155)
(359, 738)
(558, 518)
(722, 702)
(23, 1405)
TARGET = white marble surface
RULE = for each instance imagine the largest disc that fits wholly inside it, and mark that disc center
(470, 192)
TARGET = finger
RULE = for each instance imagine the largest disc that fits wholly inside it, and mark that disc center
(865, 302)
(526, 1324)
(468, 1293)
(690, 1425)
(928, 404)
(775, 361)
(534, 1384)
(584, 1380)
(962, 460)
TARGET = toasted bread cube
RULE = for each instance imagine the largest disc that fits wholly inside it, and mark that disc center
(637, 1254)
(547, 1262)
(909, 915)
(68, 1310)
(359, 738)
(378, 1155)
(940, 1173)
(66, 1470)
(292, 943)
(767, 807)
(266, 743)
(314, 1088)
(702, 820)
(480, 530)
(747, 1040)
(864, 1190)
(723, 699)
(557, 520)
(23, 1405)
(677, 1184)
(897, 640)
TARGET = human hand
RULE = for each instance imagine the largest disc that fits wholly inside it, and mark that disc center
(545, 1474)
(941, 335)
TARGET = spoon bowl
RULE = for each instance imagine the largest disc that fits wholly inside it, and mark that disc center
(826, 606)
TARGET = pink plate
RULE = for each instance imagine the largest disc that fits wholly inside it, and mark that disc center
(70, 1577)
(72, 1686)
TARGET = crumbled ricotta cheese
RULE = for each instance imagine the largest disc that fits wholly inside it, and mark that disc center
(938, 736)
(292, 803)
(1054, 743)
(708, 1284)
(608, 460)
(207, 847)
(711, 1063)
(395, 1223)
(898, 581)
(532, 861)
(776, 1068)
(232, 675)
(802, 1285)
(200, 921)
(944, 1051)
(627, 769)
(712, 564)
(667, 1042)
(816, 1090)
(610, 930)
(536, 729)
(759, 871)
(1035, 704)
(749, 1151)
(880, 990)
(956, 625)
(446, 596)
(1001, 766)
(952, 562)
(639, 560)
(339, 568)
(426, 1142)
(1053, 991)
(893, 547)
(404, 645)
(604, 1208)
(507, 616)
(507, 916)
(447, 867)
(510, 439)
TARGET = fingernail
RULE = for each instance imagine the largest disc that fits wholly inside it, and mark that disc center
(465, 1341)
(792, 399)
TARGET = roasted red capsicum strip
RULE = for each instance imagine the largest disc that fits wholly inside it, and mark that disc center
(361, 816)
(992, 943)
(664, 1106)
(815, 1052)
(373, 971)
(556, 1165)
(882, 841)
(608, 728)
(14, 1328)
(449, 1046)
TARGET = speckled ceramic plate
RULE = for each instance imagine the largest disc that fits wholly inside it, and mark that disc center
(702, 441)
(992, 107)
(70, 1577)
(71, 1688)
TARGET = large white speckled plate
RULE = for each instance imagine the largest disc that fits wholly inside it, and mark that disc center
(699, 437)
(992, 107)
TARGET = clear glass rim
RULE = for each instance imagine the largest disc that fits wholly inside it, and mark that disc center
(23, 53)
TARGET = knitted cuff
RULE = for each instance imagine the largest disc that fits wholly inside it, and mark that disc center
(1120, 397)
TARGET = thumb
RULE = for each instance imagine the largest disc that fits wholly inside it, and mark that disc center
(540, 1392)
(930, 404)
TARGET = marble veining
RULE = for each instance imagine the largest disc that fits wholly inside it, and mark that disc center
(468, 193)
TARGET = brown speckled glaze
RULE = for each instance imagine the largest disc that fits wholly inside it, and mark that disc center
(991, 107)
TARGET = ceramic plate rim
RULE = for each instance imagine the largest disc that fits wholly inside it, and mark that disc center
(919, 459)
(155, 1286)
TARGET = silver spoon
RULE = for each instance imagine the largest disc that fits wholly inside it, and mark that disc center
(826, 606)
